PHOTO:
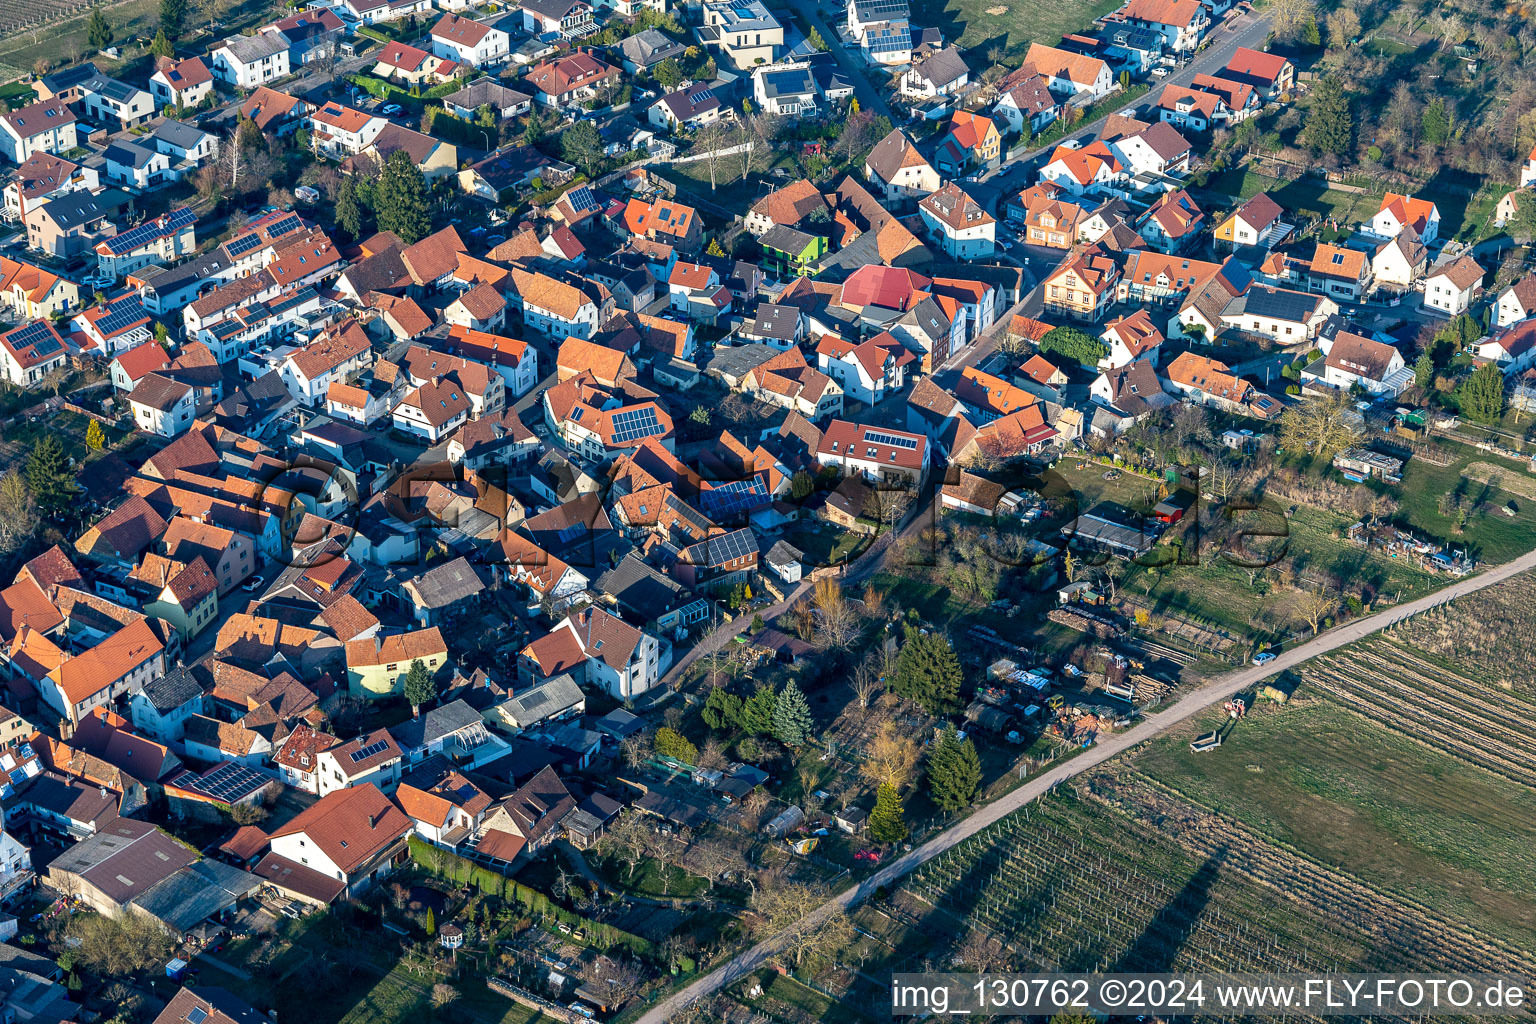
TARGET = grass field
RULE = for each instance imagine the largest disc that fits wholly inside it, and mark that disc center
(1489, 535)
(978, 25)
(1368, 800)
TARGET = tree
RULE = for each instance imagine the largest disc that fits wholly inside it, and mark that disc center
(1343, 27)
(756, 716)
(1481, 396)
(1330, 125)
(48, 475)
(431, 923)
(722, 709)
(18, 512)
(247, 814)
(162, 47)
(581, 145)
(836, 623)
(1522, 226)
(791, 716)
(794, 910)
(1435, 123)
(671, 743)
(1074, 343)
(887, 822)
(95, 437)
(1323, 426)
(97, 31)
(173, 14)
(801, 485)
(349, 209)
(954, 771)
(928, 672)
(711, 140)
(1423, 370)
(400, 200)
(443, 995)
(1313, 606)
(891, 757)
(420, 685)
(817, 42)
(669, 74)
(115, 947)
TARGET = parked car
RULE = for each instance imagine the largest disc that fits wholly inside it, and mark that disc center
(253, 584)
(391, 109)
(1159, 72)
(1264, 657)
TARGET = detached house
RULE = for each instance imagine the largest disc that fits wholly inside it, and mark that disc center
(1083, 285)
(180, 83)
(46, 127)
(1356, 361)
(869, 371)
(611, 654)
(690, 107)
(879, 455)
(334, 356)
(1451, 288)
(1517, 302)
(31, 352)
(1181, 23)
(469, 42)
(340, 845)
(1398, 212)
(1069, 74)
(1258, 222)
(941, 73)
(338, 131)
(1172, 223)
(1024, 97)
(250, 61)
(898, 171)
(1343, 274)
(377, 666)
(1269, 74)
(1209, 382)
(961, 226)
(972, 141)
(122, 663)
(1131, 338)
(571, 80)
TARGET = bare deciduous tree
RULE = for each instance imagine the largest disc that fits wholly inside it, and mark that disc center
(891, 757)
(836, 622)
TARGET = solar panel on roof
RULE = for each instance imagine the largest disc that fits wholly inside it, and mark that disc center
(125, 311)
(285, 225)
(634, 424)
(581, 199)
(245, 243)
(364, 753)
(895, 441)
(197, 1015)
(37, 335)
(150, 230)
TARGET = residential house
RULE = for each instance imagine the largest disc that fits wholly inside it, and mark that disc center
(1339, 273)
(181, 84)
(1124, 396)
(1048, 215)
(620, 659)
(31, 352)
(124, 662)
(878, 455)
(377, 666)
(1079, 169)
(1131, 338)
(869, 371)
(347, 841)
(1172, 223)
(899, 170)
(1070, 74)
(1283, 315)
(1024, 97)
(162, 405)
(1452, 288)
(1181, 23)
(1516, 302)
(788, 89)
(1269, 74)
(971, 141)
(552, 307)
(648, 48)
(337, 131)
(1400, 263)
(309, 372)
(691, 107)
(274, 111)
(745, 33)
(250, 61)
(962, 227)
(571, 19)
(102, 99)
(470, 42)
(1513, 351)
(413, 66)
(571, 80)
(1356, 361)
(941, 73)
(504, 101)
(1083, 285)
(44, 127)
(42, 177)
(1258, 222)
(1398, 212)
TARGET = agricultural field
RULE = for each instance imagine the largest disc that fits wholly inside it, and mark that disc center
(1124, 876)
(1489, 636)
(979, 25)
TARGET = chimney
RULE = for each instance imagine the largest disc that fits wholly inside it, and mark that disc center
(373, 820)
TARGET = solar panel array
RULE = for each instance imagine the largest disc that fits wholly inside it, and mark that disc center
(895, 441)
(364, 753)
(243, 244)
(736, 544)
(285, 225)
(880, 10)
(734, 496)
(37, 336)
(196, 1015)
(633, 424)
(124, 311)
(581, 199)
(151, 230)
(896, 37)
(229, 782)
(535, 699)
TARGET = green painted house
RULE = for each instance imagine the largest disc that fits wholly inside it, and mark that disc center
(790, 253)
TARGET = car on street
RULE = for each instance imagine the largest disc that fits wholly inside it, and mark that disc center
(1159, 72)
(1264, 657)
(391, 109)
(253, 584)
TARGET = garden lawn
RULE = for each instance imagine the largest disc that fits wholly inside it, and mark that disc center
(978, 25)
(1490, 536)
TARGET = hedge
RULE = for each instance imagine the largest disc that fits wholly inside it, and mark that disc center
(392, 93)
(462, 133)
(451, 867)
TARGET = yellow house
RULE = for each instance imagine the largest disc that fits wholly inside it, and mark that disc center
(377, 666)
(188, 593)
(33, 293)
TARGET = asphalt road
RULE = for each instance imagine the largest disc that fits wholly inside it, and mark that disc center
(1248, 30)
(1216, 691)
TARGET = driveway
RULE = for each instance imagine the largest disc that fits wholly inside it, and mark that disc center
(869, 98)
(1192, 703)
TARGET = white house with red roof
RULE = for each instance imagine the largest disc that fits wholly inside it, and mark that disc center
(1181, 23)
(470, 42)
(31, 352)
(338, 131)
(1130, 338)
(868, 371)
(1079, 169)
(696, 290)
(183, 82)
(1512, 351)
(1269, 74)
(403, 62)
(343, 843)
(1528, 171)
(1400, 211)
(130, 366)
(115, 325)
(874, 453)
